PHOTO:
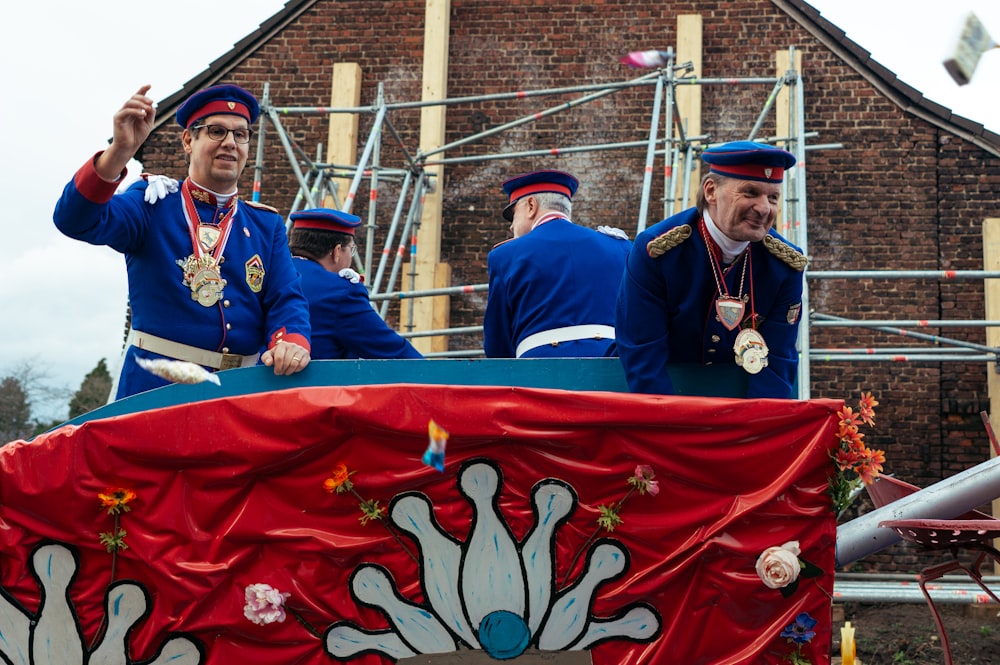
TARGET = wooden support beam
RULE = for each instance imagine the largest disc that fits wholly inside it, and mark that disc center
(784, 123)
(991, 261)
(689, 49)
(342, 138)
(429, 311)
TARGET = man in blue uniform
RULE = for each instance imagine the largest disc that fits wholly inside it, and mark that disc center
(344, 324)
(553, 285)
(210, 277)
(715, 283)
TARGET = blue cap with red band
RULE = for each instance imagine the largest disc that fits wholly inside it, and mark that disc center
(747, 160)
(325, 219)
(226, 99)
(537, 182)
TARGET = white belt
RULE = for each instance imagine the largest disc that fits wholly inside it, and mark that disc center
(568, 334)
(192, 354)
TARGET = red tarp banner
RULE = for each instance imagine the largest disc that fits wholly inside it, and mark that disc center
(499, 551)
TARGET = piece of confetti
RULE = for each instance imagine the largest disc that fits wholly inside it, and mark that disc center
(644, 59)
(177, 371)
(437, 441)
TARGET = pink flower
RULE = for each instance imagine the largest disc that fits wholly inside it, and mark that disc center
(265, 604)
(643, 480)
(779, 566)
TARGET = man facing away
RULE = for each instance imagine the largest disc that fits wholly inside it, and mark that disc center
(716, 283)
(210, 277)
(552, 287)
(344, 324)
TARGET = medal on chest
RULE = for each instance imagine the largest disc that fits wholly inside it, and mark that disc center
(202, 271)
(202, 276)
(750, 351)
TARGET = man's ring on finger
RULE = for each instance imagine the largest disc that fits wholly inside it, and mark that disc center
(295, 358)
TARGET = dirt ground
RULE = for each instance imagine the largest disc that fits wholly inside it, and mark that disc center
(905, 633)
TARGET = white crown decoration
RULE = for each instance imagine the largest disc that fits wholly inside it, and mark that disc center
(490, 592)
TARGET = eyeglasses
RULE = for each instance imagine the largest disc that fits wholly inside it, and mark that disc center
(219, 133)
(354, 249)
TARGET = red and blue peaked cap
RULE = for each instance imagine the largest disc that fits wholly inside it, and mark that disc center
(747, 160)
(537, 182)
(226, 99)
(325, 219)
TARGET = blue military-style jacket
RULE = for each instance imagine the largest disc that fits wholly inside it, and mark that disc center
(666, 307)
(344, 325)
(262, 300)
(558, 275)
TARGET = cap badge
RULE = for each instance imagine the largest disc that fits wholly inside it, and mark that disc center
(231, 105)
(767, 173)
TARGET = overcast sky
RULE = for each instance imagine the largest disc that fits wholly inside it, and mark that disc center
(69, 65)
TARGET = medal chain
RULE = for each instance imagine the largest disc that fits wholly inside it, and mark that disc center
(194, 221)
(716, 267)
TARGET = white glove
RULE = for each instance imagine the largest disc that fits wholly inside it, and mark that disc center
(613, 232)
(158, 186)
(350, 274)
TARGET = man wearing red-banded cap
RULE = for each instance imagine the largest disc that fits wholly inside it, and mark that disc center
(553, 285)
(210, 277)
(716, 284)
(344, 324)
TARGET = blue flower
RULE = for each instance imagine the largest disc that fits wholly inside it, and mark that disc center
(801, 631)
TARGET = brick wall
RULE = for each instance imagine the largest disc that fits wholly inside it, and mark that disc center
(899, 194)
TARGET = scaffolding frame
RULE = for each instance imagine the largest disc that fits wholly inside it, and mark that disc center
(316, 183)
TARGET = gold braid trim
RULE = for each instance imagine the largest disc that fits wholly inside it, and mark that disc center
(661, 244)
(786, 253)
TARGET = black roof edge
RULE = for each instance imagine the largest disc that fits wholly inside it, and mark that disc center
(903, 95)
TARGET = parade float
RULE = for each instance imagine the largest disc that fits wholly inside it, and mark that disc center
(531, 511)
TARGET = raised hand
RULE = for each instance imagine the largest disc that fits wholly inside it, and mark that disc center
(133, 123)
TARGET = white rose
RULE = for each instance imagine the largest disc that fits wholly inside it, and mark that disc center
(779, 566)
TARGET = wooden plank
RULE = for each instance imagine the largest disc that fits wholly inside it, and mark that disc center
(991, 261)
(784, 107)
(437, 15)
(689, 48)
(342, 137)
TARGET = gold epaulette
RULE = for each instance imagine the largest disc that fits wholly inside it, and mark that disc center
(786, 253)
(259, 205)
(661, 244)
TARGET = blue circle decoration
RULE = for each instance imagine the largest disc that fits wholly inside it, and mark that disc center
(503, 635)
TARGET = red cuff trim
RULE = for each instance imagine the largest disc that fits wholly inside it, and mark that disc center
(93, 187)
(292, 338)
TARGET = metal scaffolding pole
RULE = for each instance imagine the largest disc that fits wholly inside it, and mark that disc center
(677, 150)
(647, 172)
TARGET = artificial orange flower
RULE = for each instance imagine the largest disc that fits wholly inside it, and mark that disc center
(866, 407)
(871, 465)
(845, 459)
(116, 499)
(340, 481)
(848, 418)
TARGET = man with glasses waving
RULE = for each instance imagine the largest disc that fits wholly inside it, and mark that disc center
(344, 324)
(210, 277)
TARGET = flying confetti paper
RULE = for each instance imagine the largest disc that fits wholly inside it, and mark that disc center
(438, 439)
(177, 371)
(644, 59)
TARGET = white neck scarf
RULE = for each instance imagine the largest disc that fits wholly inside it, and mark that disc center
(730, 248)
